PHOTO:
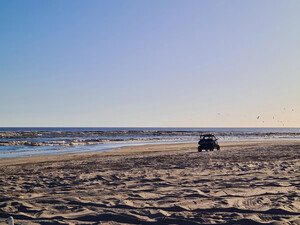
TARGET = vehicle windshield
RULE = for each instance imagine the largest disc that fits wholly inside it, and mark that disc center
(208, 137)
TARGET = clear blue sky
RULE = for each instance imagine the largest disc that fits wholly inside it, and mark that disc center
(150, 63)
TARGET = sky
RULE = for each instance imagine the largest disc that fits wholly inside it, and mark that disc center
(155, 63)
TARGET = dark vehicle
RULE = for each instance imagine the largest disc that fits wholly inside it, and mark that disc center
(208, 142)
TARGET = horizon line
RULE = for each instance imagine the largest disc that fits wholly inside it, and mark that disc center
(135, 127)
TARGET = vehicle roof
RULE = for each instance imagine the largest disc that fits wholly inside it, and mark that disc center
(207, 135)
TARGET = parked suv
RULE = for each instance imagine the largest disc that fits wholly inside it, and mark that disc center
(208, 142)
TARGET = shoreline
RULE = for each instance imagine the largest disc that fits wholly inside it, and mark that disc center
(128, 150)
(115, 146)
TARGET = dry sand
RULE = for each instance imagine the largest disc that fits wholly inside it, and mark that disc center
(243, 183)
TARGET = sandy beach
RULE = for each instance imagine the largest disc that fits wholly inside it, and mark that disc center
(243, 183)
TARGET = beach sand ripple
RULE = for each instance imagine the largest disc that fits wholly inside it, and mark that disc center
(244, 183)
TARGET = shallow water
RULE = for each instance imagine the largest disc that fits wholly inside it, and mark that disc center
(20, 142)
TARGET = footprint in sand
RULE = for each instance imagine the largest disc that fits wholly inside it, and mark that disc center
(128, 203)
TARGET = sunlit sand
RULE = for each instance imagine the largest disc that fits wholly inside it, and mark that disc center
(243, 183)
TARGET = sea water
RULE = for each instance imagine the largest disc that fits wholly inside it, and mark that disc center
(20, 142)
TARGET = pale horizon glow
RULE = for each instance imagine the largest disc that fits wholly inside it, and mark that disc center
(150, 63)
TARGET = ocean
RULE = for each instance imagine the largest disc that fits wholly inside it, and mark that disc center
(20, 142)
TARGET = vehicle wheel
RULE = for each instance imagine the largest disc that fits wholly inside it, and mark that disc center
(199, 149)
(211, 149)
(218, 147)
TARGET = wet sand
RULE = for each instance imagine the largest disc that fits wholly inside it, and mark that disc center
(243, 183)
